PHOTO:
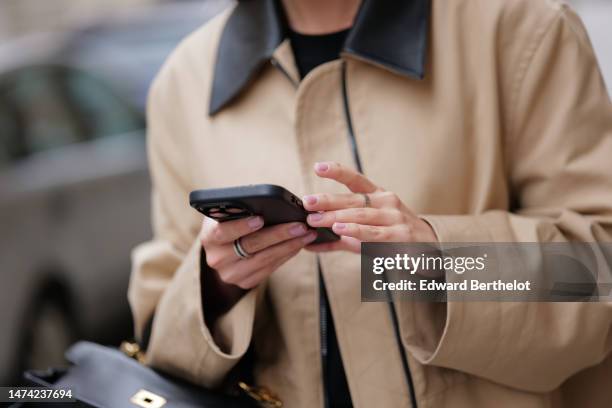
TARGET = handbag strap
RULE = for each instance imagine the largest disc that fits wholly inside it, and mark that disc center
(392, 311)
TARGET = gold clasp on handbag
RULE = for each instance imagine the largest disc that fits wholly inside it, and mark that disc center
(262, 395)
(132, 350)
(146, 399)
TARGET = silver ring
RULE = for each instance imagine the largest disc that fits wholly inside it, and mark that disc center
(239, 250)
(367, 202)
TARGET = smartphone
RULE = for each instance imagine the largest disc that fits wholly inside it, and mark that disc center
(274, 203)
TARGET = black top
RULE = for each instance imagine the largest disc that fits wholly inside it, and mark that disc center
(310, 51)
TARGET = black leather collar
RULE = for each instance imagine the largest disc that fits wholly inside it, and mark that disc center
(388, 33)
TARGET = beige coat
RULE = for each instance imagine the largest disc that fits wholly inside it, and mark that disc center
(507, 138)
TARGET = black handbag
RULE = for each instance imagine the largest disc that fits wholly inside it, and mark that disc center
(104, 377)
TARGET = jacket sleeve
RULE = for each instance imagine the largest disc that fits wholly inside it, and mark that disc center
(559, 155)
(166, 279)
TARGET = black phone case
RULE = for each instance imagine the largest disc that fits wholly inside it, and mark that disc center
(274, 203)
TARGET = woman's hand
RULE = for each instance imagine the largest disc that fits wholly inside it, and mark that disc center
(268, 248)
(229, 276)
(367, 214)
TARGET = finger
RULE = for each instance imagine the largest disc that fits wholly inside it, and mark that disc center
(330, 202)
(260, 275)
(269, 255)
(348, 244)
(371, 233)
(365, 216)
(355, 181)
(220, 256)
(270, 236)
(244, 268)
(255, 278)
(219, 233)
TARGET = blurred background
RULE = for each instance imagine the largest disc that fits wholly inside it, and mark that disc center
(74, 189)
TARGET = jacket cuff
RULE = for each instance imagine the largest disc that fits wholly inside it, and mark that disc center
(182, 344)
(492, 226)
(451, 334)
(444, 334)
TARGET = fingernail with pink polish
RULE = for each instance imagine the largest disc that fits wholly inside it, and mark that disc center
(310, 200)
(309, 238)
(297, 230)
(321, 167)
(315, 217)
(255, 222)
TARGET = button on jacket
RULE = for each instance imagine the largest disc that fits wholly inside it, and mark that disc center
(489, 118)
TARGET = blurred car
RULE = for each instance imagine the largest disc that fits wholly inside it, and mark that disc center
(74, 189)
